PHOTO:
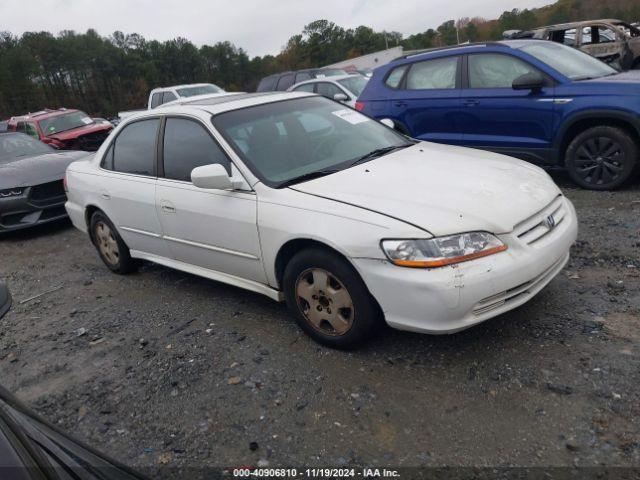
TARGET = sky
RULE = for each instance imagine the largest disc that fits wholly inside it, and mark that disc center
(258, 26)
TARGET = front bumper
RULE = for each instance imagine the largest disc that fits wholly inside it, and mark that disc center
(450, 299)
(36, 206)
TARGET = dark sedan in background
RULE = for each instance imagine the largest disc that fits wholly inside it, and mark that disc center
(31, 181)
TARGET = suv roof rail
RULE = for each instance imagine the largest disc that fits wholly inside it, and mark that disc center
(452, 47)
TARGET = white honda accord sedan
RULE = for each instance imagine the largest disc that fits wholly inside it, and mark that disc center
(299, 198)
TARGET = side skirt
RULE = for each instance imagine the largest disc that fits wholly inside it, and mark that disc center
(212, 275)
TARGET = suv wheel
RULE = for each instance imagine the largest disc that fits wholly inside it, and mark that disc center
(111, 248)
(329, 299)
(601, 158)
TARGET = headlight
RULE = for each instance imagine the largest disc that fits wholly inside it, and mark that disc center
(11, 192)
(441, 251)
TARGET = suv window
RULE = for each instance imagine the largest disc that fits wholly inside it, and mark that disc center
(395, 77)
(439, 73)
(285, 82)
(267, 84)
(135, 148)
(156, 99)
(31, 130)
(168, 97)
(494, 70)
(307, 87)
(188, 145)
(327, 89)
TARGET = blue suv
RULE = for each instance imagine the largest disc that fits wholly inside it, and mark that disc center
(537, 100)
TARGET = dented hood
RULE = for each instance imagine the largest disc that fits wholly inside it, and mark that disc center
(442, 189)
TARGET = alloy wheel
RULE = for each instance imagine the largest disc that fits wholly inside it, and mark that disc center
(599, 160)
(107, 243)
(325, 302)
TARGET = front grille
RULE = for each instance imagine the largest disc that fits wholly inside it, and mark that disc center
(91, 141)
(546, 221)
(47, 193)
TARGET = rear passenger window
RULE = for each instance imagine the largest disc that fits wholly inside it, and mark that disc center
(135, 148)
(156, 99)
(440, 73)
(395, 77)
(188, 145)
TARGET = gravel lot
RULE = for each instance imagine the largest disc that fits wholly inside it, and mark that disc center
(175, 370)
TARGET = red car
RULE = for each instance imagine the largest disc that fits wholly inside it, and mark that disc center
(65, 129)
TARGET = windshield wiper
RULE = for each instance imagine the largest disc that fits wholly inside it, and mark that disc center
(307, 176)
(378, 152)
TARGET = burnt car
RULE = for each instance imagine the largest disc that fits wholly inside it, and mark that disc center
(31, 181)
(612, 41)
(32, 448)
(64, 129)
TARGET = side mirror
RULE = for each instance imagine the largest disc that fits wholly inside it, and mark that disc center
(212, 177)
(5, 299)
(388, 122)
(529, 81)
(340, 97)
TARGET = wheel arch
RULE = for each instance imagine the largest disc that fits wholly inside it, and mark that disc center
(293, 246)
(585, 120)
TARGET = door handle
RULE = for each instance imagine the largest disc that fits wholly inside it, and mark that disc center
(167, 207)
(400, 104)
(471, 103)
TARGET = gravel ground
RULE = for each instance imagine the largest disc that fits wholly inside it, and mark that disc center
(175, 370)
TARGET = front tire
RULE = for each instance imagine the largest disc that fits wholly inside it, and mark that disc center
(329, 300)
(602, 158)
(110, 246)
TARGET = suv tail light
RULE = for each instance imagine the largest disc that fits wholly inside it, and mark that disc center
(359, 106)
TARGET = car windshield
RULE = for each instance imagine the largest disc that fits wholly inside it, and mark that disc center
(64, 122)
(199, 90)
(354, 84)
(570, 62)
(283, 141)
(18, 145)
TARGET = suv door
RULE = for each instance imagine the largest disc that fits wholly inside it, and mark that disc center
(128, 186)
(427, 98)
(497, 117)
(213, 229)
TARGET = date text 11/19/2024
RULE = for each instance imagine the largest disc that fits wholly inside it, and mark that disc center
(315, 473)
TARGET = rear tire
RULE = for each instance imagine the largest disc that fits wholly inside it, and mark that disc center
(602, 158)
(329, 300)
(110, 246)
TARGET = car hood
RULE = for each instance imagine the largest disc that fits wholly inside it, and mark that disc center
(442, 189)
(76, 132)
(28, 171)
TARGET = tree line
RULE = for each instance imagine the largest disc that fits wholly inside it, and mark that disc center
(103, 75)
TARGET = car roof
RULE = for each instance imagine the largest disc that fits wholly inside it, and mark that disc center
(44, 114)
(186, 85)
(222, 103)
(568, 25)
(332, 78)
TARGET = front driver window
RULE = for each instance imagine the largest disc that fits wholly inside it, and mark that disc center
(495, 70)
(188, 145)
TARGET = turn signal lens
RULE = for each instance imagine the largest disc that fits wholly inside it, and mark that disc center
(442, 251)
(359, 106)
